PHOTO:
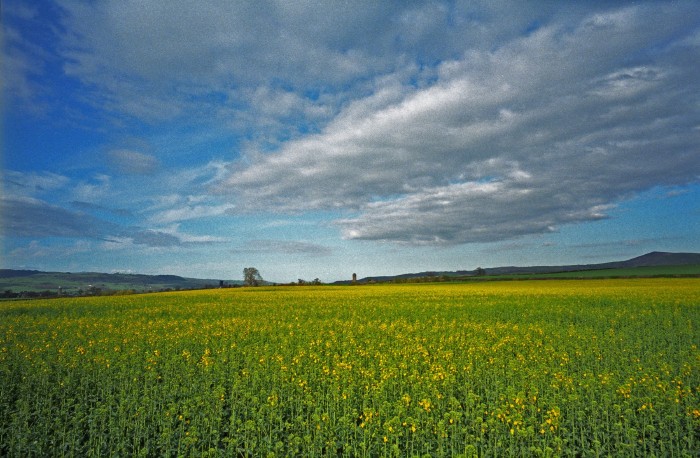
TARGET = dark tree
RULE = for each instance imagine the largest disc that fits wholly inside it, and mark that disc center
(251, 276)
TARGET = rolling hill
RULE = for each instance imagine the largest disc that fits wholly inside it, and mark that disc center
(656, 259)
(86, 282)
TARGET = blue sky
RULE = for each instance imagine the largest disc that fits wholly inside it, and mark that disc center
(317, 139)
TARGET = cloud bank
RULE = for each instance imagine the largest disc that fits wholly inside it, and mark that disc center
(549, 129)
(420, 123)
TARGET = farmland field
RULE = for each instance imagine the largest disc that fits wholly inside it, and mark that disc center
(529, 368)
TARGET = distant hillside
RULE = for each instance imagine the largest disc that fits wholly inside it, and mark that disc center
(85, 282)
(35, 281)
(660, 258)
(653, 259)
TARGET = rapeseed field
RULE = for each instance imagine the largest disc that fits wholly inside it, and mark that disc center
(530, 368)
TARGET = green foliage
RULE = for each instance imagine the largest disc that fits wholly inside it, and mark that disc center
(594, 368)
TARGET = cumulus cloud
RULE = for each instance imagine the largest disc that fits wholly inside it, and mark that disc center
(465, 213)
(225, 60)
(156, 61)
(548, 129)
(396, 114)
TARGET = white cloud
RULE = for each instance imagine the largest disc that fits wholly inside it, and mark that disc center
(211, 59)
(99, 188)
(184, 195)
(548, 129)
(428, 122)
(153, 60)
(467, 212)
(189, 212)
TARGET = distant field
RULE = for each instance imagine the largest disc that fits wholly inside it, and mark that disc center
(523, 368)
